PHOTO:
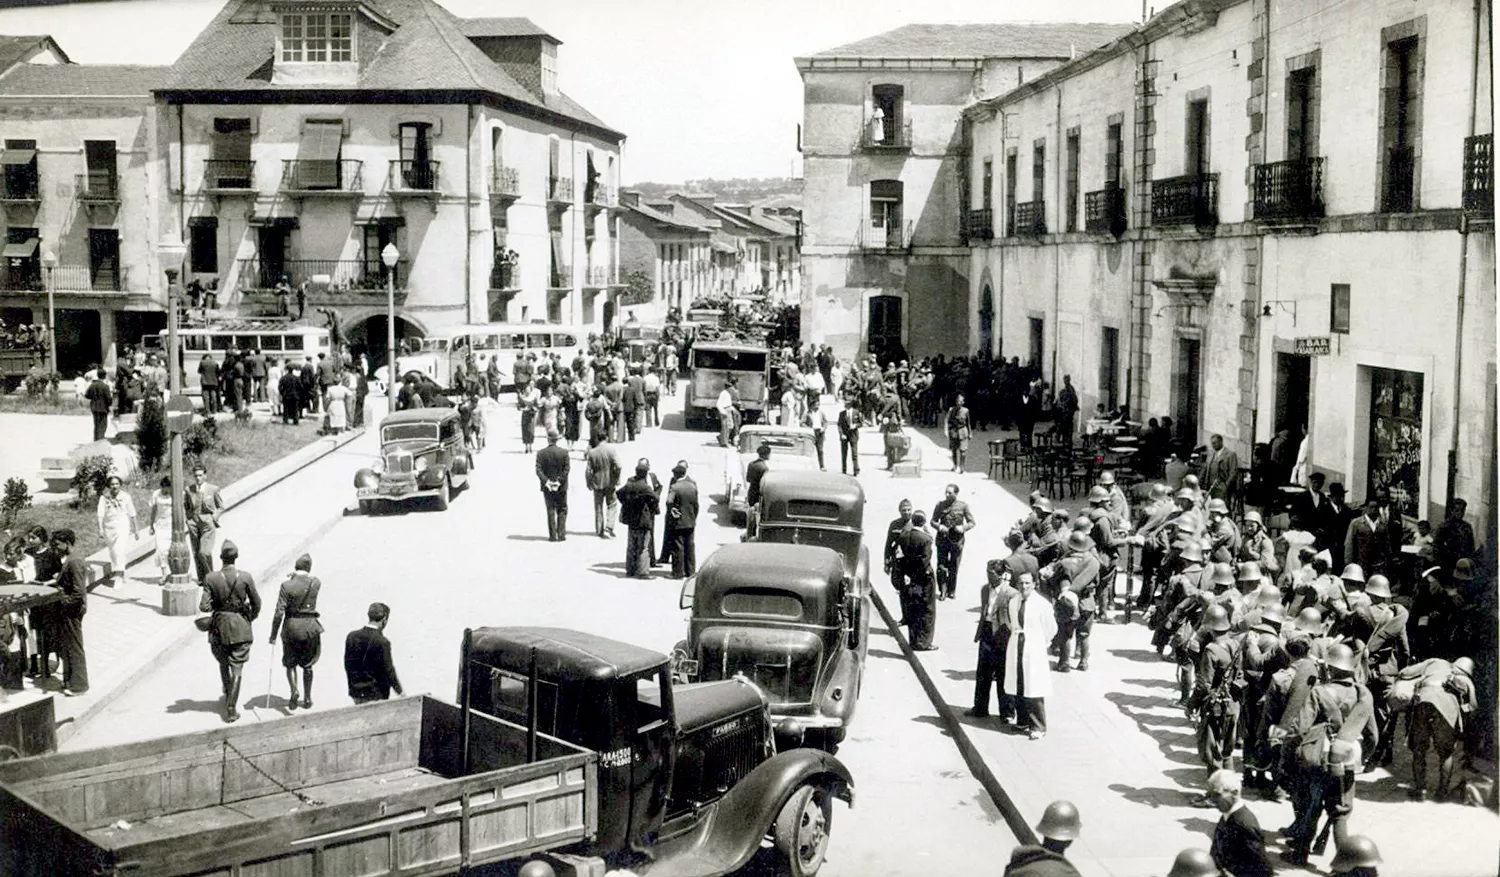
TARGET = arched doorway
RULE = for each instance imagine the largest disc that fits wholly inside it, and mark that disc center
(368, 338)
(609, 314)
(987, 321)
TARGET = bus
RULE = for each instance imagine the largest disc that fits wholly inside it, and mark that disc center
(447, 347)
(276, 340)
(711, 364)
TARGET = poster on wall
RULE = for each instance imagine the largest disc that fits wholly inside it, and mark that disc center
(1396, 437)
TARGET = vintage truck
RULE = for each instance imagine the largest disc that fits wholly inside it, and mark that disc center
(612, 765)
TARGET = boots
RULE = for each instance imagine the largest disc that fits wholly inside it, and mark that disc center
(307, 677)
(232, 700)
(1083, 654)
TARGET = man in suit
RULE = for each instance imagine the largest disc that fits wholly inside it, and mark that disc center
(614, 394)
(849, 423)
(753, 475)
(1238, 849)
(99, 399)
(552, 465)
(302, 637)
(639, 505)
(229, 593)
(892, 566)
(1335, 522)
(914, 555)
(208, 379)
(634, 401)
(204, 505)
(290, 388)
(1221, 470)
(309, 388)
(65, 618)
(367, 659)
(1366, 543)
(602, 475)
(682, 518)
(993, 595)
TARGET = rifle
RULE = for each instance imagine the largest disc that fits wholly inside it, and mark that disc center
(1320, 844)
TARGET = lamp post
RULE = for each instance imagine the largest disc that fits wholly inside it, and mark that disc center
(49, 264)
(179, 597)
(390, 256)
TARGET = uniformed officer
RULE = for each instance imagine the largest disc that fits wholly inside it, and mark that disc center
(229, 593)
(1075, 579)
(302, 637)
(1058, 828)
(892, 567)
(952, 519)
(1356, 857)
(914, 554)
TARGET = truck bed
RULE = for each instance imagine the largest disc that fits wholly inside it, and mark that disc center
(370, 790)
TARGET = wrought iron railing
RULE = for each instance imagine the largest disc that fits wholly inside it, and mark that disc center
(1031, 219)
(505, 182)
(1479, 176)
(887, 236)
(602, 196)
(600, 276)
(22, 275)
(322, 175)
(1186, 200)
(109, 277)
(885, 136)
(980, 224)
(561, 277)
(1289, 190)
(1104, 210)
(1400, 180)
(224, 173)
(20, 187)
(323, 275)
(560, 190)
(97, 186)
(408, 175)
(505, 276)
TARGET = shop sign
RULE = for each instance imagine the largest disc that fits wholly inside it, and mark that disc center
(1316, 345)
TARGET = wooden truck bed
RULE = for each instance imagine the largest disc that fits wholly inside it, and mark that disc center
(367, 790)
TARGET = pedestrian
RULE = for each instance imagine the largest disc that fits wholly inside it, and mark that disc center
(1453, 540)
(951, 519)
(255, 373)
(639, 506)
(1028, 680)
(682, 521)
(893, 566)
(204, 504)
(548, 406)
(65, 623)
(669, 370)
(816, 419)
(914, 555)
(596, 412)
(302, 637)
(336, 403)
(754, 473)
(602, 476)
(308, 389)
(1066, 410)
(724, 405)
(1058, 828)
(289, 387)
(116, 519)
(552, 466)
(230, 595)
(99, 400)
(528, 400)
(651, 385)
(1366, 542)
(1221, 470)
(958, 425)
(208, 382)
(274, 374)
(367, 658)
(993, 596)
(283, 297)
(634, 401)
(849, 423)
(614, 395)
(301, 299)
(1239, 848)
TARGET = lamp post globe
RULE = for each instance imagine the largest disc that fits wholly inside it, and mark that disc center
(179, 596)
(49, 264)
(389, 256)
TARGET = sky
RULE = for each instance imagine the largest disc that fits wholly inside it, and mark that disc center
(701, 88)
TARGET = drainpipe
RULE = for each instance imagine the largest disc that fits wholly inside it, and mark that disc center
(1463, 271)
(1260, 239)
(469, 132)
(1057, 247)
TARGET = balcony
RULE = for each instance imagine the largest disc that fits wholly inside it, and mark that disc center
(1479, 176)
(22, 275)
(97, 188)
(1289, 191)
(20, 189)
(1397, 196)
(979, 225)
(228, 175)
(561, 278)
(600, 198)
(887, 137)
(885, 237)
(599, 277)
(1186, 200)
(84, 279)
(505, 278)
(1030, 221)
(322, 177)
(559, 191)
(414, 178)
(332, 280)
(1104, 211)
(505, 183)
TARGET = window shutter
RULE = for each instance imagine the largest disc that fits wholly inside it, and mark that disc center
(318, 154)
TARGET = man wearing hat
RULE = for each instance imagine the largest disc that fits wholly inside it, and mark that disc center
(1058, 828)
(1075, 581)
(682, 521)
(914, 556)
(1333, 522)
(952, 519)
(1366, 543)
(1216, 692)
(1190, 578)
(302, 637)
(753, 474)
(552, 467)
(1380, 625)
(229, 593)
(1028, 525)
(1445, 697)
(1221, 470)
(1118, 505)
(1256, 545)
(639, 505)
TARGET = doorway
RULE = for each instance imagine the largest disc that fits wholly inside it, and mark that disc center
(1395, 455)
(270, 243)
(1038, 329)
(1293, 392)
(987, 322)
(1186, 390)
(883, 337)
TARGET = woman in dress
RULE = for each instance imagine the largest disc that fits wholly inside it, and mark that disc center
(548, 405)
(336, 403)
(116, 519)
(161, 526)
(572, 410)
(527, 398)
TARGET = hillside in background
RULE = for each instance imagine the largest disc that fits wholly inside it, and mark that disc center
(735, 190)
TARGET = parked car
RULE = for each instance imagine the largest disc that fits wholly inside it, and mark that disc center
(422, 454)
(792, 447)
(788, 618)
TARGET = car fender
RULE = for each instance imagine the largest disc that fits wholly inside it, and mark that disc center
(460, 467)
(844, 673)
(366, 478)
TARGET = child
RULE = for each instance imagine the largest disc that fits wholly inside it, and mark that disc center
(1423, 542)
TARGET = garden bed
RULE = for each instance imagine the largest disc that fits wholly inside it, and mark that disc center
(23, 403)
(243, 449)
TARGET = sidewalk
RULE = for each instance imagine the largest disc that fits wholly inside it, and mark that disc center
(1117, 744)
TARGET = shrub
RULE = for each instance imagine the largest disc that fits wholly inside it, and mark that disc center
(201, 437)
(91, 477)
(39, 383)
(17, 497)
(151, 433)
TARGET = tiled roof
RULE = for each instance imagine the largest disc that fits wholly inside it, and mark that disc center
(503, 27)
(665, 219)
(428, 51)
(772, 224)
(85, 80)
(1008, 40)
(14, 49)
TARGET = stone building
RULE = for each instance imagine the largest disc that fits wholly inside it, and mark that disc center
(1252, 219)
(884, 168)
(674, 252)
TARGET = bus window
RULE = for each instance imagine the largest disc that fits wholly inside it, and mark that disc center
(564, 340)
(294, 342)
(459, 343)
(324, 342)
(269, 343)
(486, 342)
(538, 340)
(195, 342)
(512, 341)
(221, 342)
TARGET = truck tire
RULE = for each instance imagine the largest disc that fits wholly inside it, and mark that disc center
(445, 493)
(802, 831)
(367, 508)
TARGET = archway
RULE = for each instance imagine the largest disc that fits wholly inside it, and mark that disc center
(987, 321)
(367, 337)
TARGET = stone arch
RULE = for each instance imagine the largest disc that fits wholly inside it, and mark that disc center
(367, 335)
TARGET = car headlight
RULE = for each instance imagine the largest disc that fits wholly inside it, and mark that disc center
(378, 467)
(422, 464)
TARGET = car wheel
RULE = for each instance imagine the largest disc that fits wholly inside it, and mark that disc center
(367, 508)
(445, 493)
(802, 831)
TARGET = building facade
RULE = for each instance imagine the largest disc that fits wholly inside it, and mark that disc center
(884, 169)
(1182, 222)
(674, 255)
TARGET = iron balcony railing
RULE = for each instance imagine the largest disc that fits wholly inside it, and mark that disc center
(600, 276)
(1186, 200)
(230, 174)
(505, 182)
(333, 176)
(980, 224)
(1104, 210)
(1400, 177)
(602, 196)
(97, 186)
(1479, 176)
(330, 275)
(23, 275)
(107, 277)
(408, 175)
(887, 236)
(561, 277)
(886, 136)
(560, 190)
(20, 187)
(1031, 219)
(505, 277)
(1289, 190)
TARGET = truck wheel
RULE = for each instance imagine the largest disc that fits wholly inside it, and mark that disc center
(367, 508)
(802, 831)
(445, 493)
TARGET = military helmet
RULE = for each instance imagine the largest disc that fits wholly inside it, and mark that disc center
(1378, 586)
(1273, 614)
(536, 868)
(1216, 619)
(1160, 491)
(1079, 541)
(1059, 821)
(1353, 573)
(1218, 506)
(1082, 523)
(1254, 516)
(1249, 571)
(1310, 620)
(1043, 505)
(1465, 666)
(1107, 477)
(1357, 851)
(1339, 657)
(1098, 494)
(1267, 594)
(1186, 493)
(1191, 550)
(1223, 574)
(1194, 863)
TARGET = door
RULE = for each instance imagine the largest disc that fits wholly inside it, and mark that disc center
(884, 333)
(987, 321)
(651, 763)
(1186, 389)
(1396, 438)
(104, 259)
(1293, 392)
(1036, 339)
(416, 155)
(271, 244)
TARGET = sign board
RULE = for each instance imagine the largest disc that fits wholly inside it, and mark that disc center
(179, 414)
(1316, 345)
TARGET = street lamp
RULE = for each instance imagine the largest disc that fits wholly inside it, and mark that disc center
(179, 596)
(49, 264)
(390, 256)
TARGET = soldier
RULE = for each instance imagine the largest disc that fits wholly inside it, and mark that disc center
(1216, 693)
(1118, 505)
(230, 595)
(1223, 535)
(1075, 579)
(1178, 612)
(914, 555)
(1357, 857)
(952, 519)
(1159, 510)
(1381, 626)
(1058, 828)
(1257, 545)
(1444, 696)
(302, 638)
(1262, 657)
(892, 566)
(1194, 863)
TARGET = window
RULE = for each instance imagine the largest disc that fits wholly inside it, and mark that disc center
(1038, 328)
(418, 170)
(1338, 317)
(1039, 171)
(989, 183)
(104, 258)
(23, 264)
(1114, 154)
(317, 37)
(885, 212)
(883, 338)
(1109, 368)
(885, 115)
(1197, 138)
(1395, 453)
(230, 167)
(99, 158)
(1070, 203)
(1400, 123)
(203, 245)
(318, 165)
(1010, 192)
(590, 178)
(21, 178)
(375, 239)
(1301, 135)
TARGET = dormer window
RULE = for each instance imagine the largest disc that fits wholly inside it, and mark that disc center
(317, 37)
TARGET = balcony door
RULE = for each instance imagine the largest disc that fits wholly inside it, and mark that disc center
(271, 244)
(1187, 389)
(100, 158)
(885, 212)
(883, 336)
(104, 258)
(416, 155)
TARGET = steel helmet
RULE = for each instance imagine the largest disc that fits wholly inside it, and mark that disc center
(1186, 493)
(1310, 620)
(1353, 573)
(1098, 494)
(1079, 541)
(1253, 515)
(1188, 521)
(1267, 594)
(1357, 851)
(1216, 619)
(1160, 491)
(1273, 614)
(1082, 522)
(1059, 821)
(1339, 657)
(1378, 586)
(1464, 666)
(1249, 571)
(1194, 863)
(1223, 574)
(536, 868)
(1107, 477)
(1043, 505)
(1218, 505)
(1192, 551)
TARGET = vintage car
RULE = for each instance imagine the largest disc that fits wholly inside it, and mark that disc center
(422, 454)
(792, 447)
(787, 618)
